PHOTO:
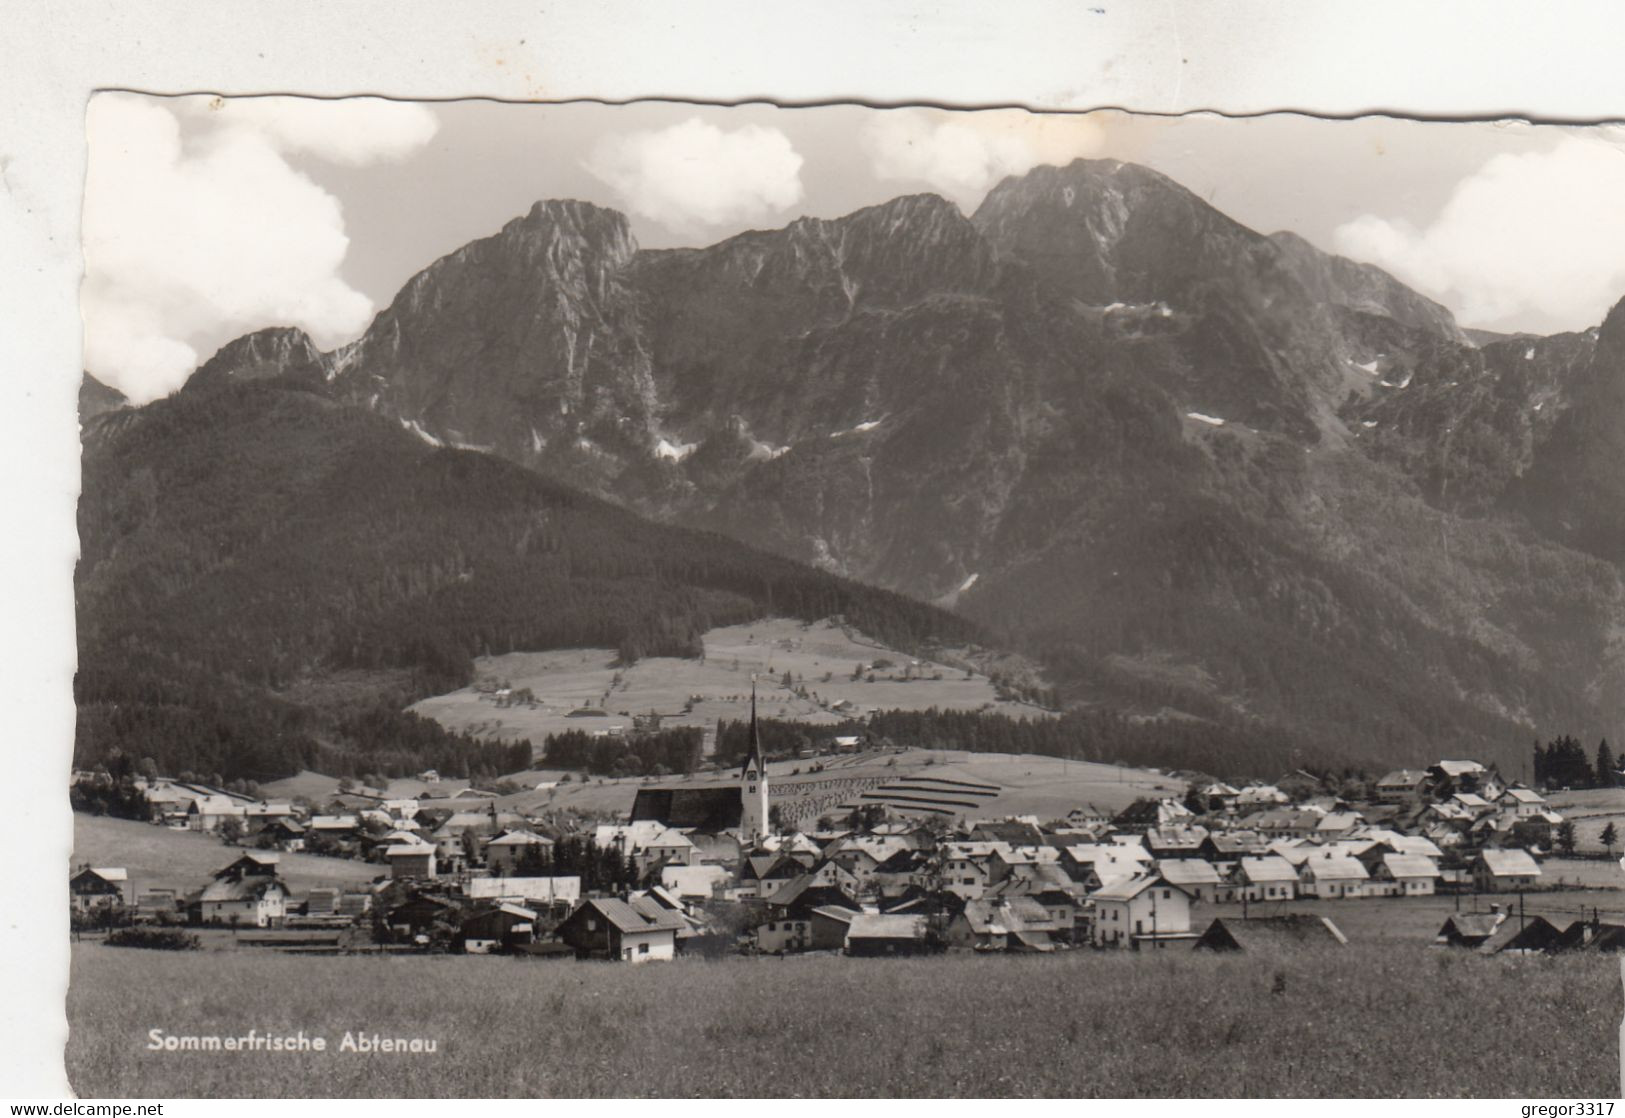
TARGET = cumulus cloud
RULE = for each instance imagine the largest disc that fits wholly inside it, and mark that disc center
(211, 228)
(694, 176)
(1528, 241)
(963, 154)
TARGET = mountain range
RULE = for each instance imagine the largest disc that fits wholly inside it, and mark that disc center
(1199, 471)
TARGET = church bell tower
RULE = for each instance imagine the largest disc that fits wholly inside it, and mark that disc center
(753, 785)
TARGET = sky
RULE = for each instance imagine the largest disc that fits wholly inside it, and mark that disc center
(206, 218)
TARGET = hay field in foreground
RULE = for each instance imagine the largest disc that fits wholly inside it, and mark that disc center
(1362, 1021)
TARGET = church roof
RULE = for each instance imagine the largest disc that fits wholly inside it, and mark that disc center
(753, 757)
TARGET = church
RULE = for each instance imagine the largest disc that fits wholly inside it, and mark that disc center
(715, 807)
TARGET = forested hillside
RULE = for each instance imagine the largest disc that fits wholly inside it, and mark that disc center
(246, 544)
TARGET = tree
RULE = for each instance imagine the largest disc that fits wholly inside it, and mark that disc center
(1609, 836)
(1565, 836)
(1606, 766)
(231, 830)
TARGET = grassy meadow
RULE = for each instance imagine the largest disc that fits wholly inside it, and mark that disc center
(159, 858)
(1368, 1020)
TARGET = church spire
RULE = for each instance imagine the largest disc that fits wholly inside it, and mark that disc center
(753, 783)
(753, 756)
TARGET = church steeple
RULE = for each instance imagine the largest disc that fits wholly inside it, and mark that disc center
(753, 783)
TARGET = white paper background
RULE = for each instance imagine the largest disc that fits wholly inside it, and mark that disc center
(1483, 59)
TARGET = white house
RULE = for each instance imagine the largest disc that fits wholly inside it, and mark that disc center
(1268, 877)
(258, 902)
(1500, 871)
(1405, 875)
(1144, 910)
(1331, 875)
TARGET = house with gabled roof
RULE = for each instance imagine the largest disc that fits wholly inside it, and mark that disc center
(1266, 935)
(412, 860)
(1145, 910)
(1331, 876)
(1199, 879)
(206, 812)
(1003, 924)
(94, 888)
(490, 926)
(1469, 929)
(1267, 877)
(634, 930)
(505, 853)
(1521, 801)
(1504, 871)
(1591, 935)
(1175, 841)
(1404, 875)
(876, 935)
(1401, 786)
(252, 900)
(1532, 935)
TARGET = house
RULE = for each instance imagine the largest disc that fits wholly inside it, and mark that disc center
(410, 860)
(1261, 795)
(254, 900)
(1285, 823)
(1448, 777)
(1502, 871)
(418, 914)
(1401, 786)
(252, 863)
(1005, 924)
(489, 928)
(505, 853)
(1591, 935)
(1199, 879)
(1267, 877)
(1337, 824)
(893, 934)
(828, 926)
(762, 875)
(1521, 801)
(1404, 875)
(1330, 875)
(207, 812)
(1261, 935)
(1144, 910)
(634, 930)
(1469, 929)
(966, 868)
(806, 893)
(1224, 847)
(541, 894)
(1011, 831)
(284, 834)
(91, 889)
(1175, 842)
(694, 883)
(647, 842)
(1522, 936)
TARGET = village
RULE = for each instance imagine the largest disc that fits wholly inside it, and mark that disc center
(903, 870)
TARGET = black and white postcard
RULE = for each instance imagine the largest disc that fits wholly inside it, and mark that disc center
(664, 599)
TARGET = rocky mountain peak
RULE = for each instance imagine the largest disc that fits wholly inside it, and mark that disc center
(278, 351)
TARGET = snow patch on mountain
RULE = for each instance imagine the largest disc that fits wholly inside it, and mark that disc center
(416, 428)
(1210, 420)
(969, 582)
(675, 452)
(858, 429)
